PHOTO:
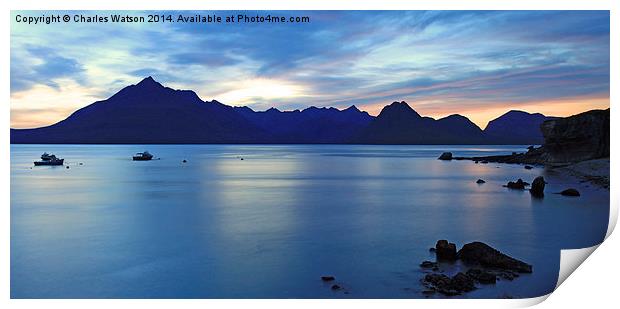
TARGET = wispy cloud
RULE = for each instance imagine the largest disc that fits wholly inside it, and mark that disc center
(440, 61)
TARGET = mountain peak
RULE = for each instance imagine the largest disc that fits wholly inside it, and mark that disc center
(351, 108)
(398, 109)
(149, 82)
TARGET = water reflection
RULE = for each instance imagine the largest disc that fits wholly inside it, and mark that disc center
(270, 225)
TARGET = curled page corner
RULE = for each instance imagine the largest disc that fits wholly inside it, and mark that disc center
(613, 215)
(570, 260)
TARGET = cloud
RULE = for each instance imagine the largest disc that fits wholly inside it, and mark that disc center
(445, 60)
(50, 66)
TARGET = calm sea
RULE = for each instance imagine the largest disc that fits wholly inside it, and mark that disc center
(270, 225)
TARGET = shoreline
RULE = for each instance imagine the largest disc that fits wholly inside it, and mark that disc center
(595, 172)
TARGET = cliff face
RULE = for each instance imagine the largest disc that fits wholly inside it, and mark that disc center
(569, 140)
(577, 138)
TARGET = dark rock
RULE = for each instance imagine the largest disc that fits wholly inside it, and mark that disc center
(184, 161)
(445, 156)
(328, 278)
(431, 250)
(476, 162)
(508, 275)
(519, 184)
(450, 286)
(485, 162)
(482, 276)
(538, 187)
(428, 264)
(445, 251)
(570, 192)
(479, 253)
(480, 181)
(528, 167)
(336, 287)
(463, 282)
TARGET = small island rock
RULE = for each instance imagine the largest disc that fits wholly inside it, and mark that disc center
(538, 187)
(570, 192)
(445, 250)
(484, 255)
(445, 156)
(519, 184)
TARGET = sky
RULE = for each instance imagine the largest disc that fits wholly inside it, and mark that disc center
(479, 64)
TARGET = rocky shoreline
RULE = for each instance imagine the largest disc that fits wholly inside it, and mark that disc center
(486, 265)
(578, 146)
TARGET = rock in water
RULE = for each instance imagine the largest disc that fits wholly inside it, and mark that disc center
(463, 282)
(336, 287)
(482, 276)
(484, 255)
(538, 187)
(450, 286)
(519, 184)
(428, 264)
(570, 192)
(328, 278)
(445, 156)
(528, 167)
(480, 181)
(445, 251)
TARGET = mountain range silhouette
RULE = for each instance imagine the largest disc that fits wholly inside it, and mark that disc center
(149, 113)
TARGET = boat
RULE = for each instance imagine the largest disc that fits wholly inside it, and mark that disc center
(49, 159)
(142, 156)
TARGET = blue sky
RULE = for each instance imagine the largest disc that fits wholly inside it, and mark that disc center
(476, 63)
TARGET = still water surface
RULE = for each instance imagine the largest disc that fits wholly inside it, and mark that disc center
(270, 225)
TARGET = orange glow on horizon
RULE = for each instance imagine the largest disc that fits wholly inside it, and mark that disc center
(481, 115)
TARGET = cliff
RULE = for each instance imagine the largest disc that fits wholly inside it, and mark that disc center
(577, 138)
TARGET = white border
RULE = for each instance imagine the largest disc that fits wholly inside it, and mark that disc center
(595, 285)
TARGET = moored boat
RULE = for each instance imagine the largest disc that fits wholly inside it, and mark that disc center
(49, 159)
(142, 156)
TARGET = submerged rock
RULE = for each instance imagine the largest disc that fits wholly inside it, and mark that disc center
(480, 181)
(445, 251)
(528, 167)
(445, 156)
(336, 287)
(328, 278)
(428, 264)
(484, 255)
(538, 187)
(570, 192)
